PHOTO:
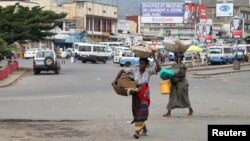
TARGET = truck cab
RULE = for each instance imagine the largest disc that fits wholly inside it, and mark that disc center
(129, 59)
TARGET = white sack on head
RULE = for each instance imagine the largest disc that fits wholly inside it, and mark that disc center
(175, 45)
(142, 50)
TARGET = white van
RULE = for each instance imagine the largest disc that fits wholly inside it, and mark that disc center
(220, 54)
(91, 52)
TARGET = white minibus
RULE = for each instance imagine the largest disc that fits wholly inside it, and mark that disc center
(220, 54)
(91, 52)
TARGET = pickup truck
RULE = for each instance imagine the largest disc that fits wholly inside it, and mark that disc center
(128, 61)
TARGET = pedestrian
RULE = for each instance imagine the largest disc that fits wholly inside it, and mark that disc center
(141, 96)
(179, 97)
(193, 59)
(163, 56)
(203, 57)
(63, 55)
(197, 58)
(159, 55)
(23, 51)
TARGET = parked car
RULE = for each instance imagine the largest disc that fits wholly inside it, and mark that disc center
(46, 60)
(30, 53)
(241, 52)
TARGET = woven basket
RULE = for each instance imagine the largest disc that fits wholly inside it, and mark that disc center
(125, 82)
(142, 50)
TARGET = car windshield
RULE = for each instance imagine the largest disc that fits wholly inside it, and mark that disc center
(215, 50)
(44, 54)
(127, 54)
(84, 48)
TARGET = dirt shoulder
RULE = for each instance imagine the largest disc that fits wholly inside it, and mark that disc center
(63, 131)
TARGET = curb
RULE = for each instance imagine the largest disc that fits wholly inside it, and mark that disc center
(10, 82)
(215, 68)
(218, 73)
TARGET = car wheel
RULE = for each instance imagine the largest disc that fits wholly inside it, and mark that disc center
(49, 61)
(57, 71)
(121, 65)
(246, 59)
(127, 64)
(104, 61)
(36, 72)
(83, 61)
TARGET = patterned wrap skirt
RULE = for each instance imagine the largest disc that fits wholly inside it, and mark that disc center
(140, 103)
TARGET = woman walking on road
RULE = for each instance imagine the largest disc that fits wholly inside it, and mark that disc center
(140, 97)
(179, 88)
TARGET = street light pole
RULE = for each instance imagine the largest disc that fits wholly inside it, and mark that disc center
(93, 22)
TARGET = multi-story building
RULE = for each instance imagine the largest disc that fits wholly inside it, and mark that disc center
(98, 20)
(241, 8)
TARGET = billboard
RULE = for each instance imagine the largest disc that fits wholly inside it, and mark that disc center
(204, 33)
(237, 28)
(202, 12)
(161, 12)
(164, 12)
(194, 13)
(224, 9)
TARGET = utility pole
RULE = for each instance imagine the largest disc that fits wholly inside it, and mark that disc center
(93, 22)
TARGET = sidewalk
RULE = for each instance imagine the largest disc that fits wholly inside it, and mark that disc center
(15, 75)
(12, 77)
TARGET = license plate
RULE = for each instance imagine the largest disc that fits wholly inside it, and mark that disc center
(39, 62)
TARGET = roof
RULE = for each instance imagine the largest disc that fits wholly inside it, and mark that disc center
(212, 3)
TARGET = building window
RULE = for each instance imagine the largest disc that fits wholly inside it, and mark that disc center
(114, 13)
(104, 25)
(97, 25)
(89, 9)
(109, 26)
(89, 24)
(154, 29)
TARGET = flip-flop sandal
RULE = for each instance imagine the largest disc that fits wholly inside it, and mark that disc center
(136, 136)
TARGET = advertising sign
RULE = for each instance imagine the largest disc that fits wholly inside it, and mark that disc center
(224, 9)
(207, 33)
(194, 13)
(237, 28)
(198, 32)
(164, 12)
(161, 12)
(202, 14)
(204, 33)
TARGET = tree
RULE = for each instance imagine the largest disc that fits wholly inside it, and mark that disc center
(22, 24)
(5, 50)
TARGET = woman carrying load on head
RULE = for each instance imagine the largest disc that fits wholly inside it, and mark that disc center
(140, 96)
(179, 97)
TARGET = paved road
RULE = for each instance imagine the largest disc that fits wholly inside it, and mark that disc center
(79, 104)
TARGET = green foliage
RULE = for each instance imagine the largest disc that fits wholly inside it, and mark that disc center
(5, 49)
(22, 24)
